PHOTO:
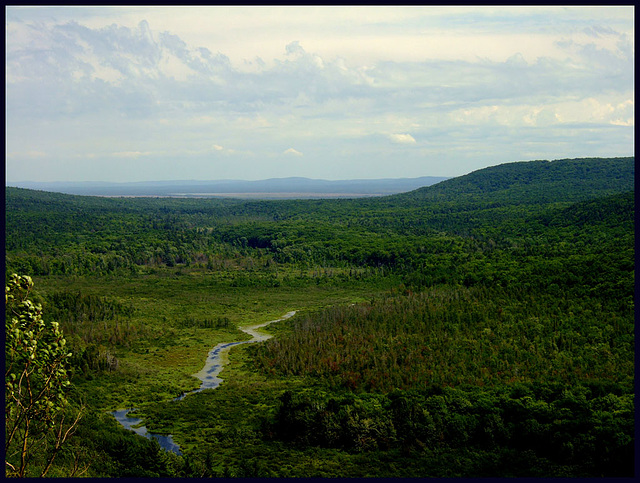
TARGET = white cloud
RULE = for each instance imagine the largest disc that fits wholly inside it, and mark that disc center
(293, 152)
(27, 154)
(326, 80)
(227, 151)
(402, 138)
(611, 109)
(131, 154)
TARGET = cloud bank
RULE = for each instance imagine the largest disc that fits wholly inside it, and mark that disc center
(131, 94)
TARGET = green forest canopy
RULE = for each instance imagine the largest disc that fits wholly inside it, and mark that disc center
(500, 320)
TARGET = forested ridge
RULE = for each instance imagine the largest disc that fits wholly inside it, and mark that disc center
(482, 326)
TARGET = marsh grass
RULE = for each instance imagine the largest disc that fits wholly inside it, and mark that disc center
(157, 361)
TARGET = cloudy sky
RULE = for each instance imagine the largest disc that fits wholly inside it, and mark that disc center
(176, 93)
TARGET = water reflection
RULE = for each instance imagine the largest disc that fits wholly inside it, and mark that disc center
(128, 422)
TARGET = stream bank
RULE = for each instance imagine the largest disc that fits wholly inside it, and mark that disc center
(209, 377)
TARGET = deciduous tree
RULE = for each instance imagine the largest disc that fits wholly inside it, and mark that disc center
(37, 421)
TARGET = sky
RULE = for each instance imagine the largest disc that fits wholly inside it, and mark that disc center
(149, 93)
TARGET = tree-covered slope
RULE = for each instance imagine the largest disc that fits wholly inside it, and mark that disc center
(535, 182)
(489, 328)
(394, 230)
(488, 197)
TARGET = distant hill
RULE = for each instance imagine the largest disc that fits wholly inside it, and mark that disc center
(275, 188)
(486, 198)
(496, 203)
(537, 182)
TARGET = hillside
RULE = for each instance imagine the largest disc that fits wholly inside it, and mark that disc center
(479, 327)
(486, 204)
(536, 182)
(487, 197)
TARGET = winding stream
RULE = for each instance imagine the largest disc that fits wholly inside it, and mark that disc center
(209, 375)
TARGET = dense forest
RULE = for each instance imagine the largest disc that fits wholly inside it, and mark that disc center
(481, 326)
